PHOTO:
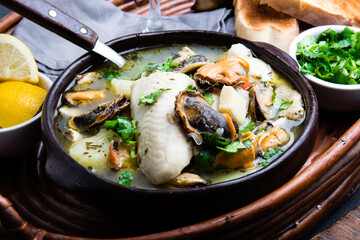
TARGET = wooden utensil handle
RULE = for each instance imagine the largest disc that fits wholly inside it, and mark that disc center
(55, 20)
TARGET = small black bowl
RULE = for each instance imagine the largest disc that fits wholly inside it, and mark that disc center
(176, 207)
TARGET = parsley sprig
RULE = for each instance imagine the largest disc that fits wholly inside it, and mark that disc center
(125, 178)
(122, 126)
(209, 98)
(166, 66)
(151, 98)
(247, 126)
(110, 74)
(333, 57)
(236, 146)
(272, 152)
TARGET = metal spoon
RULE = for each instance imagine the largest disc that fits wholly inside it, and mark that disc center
(48, 16)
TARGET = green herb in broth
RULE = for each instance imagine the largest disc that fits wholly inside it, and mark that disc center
(124, 127)
(191, 87)
(110, 74)
(285, 105)
(202, 162)
(209, 98)
(271, 152)
(125, 178)
(236, 146)
(248, 126)
(151, 98)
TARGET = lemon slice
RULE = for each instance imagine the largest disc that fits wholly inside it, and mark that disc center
(19, 101)
(16, 61)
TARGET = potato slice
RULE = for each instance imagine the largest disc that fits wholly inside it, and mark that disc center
(122, 86)
(232, 103)
(93, 152)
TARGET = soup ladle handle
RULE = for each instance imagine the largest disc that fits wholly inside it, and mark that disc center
(50, 17)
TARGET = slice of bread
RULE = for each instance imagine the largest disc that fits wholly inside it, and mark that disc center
(320, 12)
(257, 22)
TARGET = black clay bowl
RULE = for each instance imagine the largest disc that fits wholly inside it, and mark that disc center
(172, 206)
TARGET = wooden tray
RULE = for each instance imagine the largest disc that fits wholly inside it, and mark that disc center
(31, 207)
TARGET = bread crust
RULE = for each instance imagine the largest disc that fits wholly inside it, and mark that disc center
(319, 12)
(257, 22)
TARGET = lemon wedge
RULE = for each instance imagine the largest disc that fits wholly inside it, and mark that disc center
(19, 102)
(16, 61)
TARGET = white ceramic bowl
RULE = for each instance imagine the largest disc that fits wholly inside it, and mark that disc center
(331, 96)
(17, 139)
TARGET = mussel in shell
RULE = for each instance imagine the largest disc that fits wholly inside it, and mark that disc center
(261, 103)
(230, 71)
(188, 60)
(99, 115)
(199, 118)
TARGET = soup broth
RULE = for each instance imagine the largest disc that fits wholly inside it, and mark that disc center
(261, 128)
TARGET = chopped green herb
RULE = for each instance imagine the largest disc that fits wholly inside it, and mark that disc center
(167, 66)
(260, 130)
(151, 98)
(110, 74)
(204, 160)
(248, 126)
(132, 153)
(264, 163)
(213, 140)
(146, 150)
(209, 98)
(333, 57)
(162, 67)
(123, 126)
(191, 87)
(273, 98)
(236, 146)
(150, 67)
(125, 178)
(285, 105)
(272, 152)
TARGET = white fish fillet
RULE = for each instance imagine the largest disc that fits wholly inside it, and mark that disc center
(163, 147)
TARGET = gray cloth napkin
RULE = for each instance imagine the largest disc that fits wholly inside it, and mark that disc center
(53, 53)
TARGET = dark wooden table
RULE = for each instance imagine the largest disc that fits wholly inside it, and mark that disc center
(351, 203)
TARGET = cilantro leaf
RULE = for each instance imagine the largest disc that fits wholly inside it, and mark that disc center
(264, 163)
(273, 98)
(151, 98)
(190, 87)
(250, 125)
(124, 127)
(236, 146)
(285, 105)
(260, 130)
(125, 178)
(167, 66)
(209, 98)
(110, 74)
(332, 56)
(272, 152)
(162, 67)
(204, 160)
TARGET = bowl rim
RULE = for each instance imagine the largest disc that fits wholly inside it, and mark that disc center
(310, 121)
(315, 31)
(34, 118)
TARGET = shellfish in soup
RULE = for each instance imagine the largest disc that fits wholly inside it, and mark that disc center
(198, 115)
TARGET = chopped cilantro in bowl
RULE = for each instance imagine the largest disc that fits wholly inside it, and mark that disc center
(331, 56)
(338, 88)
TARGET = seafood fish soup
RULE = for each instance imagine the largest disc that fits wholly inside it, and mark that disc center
(179, 116)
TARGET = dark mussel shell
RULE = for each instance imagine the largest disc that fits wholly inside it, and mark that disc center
(199, 118)
(161, 209)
